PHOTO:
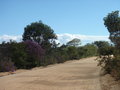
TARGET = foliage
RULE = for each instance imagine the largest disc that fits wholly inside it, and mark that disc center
(24, 54)
(91, 49)
(19, 55)
(6, 65)
(39, 48)
(104, 47)
(112, 22)
(34, 51)
(111, 63)
(72, 52)
(101, 44)
(29, 54)
(75, 42)
(87, 50)
(55, 55)
(82, 52)
(5, 50)
(40, 33)
(64, 56)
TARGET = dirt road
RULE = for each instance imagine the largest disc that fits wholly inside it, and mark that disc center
(73, 75)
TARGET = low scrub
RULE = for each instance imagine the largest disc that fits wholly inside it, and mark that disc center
(6, 66)
(110, 65)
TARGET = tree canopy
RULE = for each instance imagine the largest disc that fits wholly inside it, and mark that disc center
(74, 42)
(40, 33)
(101, 44)
(104, 47)
(112, 22)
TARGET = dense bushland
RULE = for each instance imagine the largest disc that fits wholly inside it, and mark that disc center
(110, 60)
(24, 54)
(39, 48)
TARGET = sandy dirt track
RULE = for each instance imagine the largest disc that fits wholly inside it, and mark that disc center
(72, 75)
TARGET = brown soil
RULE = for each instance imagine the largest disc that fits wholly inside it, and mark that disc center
(109, 83)
(73, 75)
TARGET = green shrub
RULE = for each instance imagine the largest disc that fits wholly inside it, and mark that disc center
(6, 65)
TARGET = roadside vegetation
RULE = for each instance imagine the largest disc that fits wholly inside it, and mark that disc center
(110, 53)
(38, 48)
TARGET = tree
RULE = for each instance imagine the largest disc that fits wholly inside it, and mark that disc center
(72, 52)
(101, 44)
(74, 42)
(6, 63)
(35, 53)
(87, 50)
(104, 47)
(26, 55)
(40, 33)
(112, 22)
(91, 49)
(111, 64)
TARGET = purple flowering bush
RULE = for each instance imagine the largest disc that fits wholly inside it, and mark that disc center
(35, 52)
(25, 55)
(6, 66)
(34, 49)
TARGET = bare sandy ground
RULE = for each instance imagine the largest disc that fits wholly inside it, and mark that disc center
(109, 83)
(73, 75)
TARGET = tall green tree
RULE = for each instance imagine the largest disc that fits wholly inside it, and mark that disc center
(74, 42)
(101, 44)
(112, 22)
(40, 33)
(104, 47)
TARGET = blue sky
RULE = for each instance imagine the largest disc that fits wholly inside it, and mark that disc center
(73, 17)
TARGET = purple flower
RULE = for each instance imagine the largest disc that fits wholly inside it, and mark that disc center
(34, 49)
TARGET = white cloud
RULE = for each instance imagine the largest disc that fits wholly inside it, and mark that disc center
(62, 38)
(10, 37)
